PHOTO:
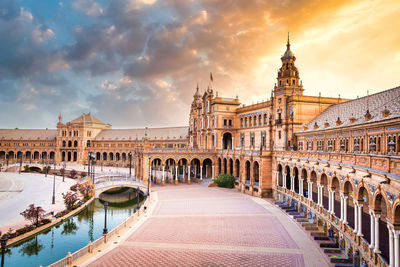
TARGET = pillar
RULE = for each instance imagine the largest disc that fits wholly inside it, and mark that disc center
(376, 225)
(163, 175)
(372, 229)
(301, 187)
(188, 174)
(310, 190)
(183, 173)
(277, 178)
(360, 206)
(345, 209)
(355, 217)
(212, 172)
(341, 207)
(329, 201)
(201, 172)
(176, 174)
(292, 183)
(396, 249)
(391, 259)
(284, 180)
(333, 202)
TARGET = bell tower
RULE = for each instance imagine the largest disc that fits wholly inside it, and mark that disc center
(288, 80)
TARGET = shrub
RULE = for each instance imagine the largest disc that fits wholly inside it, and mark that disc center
(70, 200)
(86, 190)
(33, 214)
(83, 174)
(74, 187)
(225, 180)
(26, 168)
(73, 173)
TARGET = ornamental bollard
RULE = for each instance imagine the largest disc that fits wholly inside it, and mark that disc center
(69, 258)
(90, 246)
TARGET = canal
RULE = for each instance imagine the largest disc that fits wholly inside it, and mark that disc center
(70, 235)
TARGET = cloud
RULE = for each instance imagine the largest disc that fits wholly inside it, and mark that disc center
(88, 7)
(40, 34)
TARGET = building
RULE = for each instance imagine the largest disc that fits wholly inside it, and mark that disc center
(337, 159)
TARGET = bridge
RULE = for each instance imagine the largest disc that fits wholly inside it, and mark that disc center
(104, 182)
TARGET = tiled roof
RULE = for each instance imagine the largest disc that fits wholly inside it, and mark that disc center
(87, 119)
(152, 133)
(27, 134)
(355, 110)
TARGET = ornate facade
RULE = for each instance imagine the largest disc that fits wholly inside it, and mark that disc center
(337, 159)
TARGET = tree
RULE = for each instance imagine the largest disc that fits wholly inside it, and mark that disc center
(86, 190)
(33, 214)
(70, 199)
(73, 173)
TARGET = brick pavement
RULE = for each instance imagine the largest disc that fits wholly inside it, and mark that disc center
(193, 225)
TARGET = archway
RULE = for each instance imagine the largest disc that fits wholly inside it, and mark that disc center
(349, 191)
(314, 189)
(247, 172)
(219, 166)
(256, 173)
(195, 168)
(207, 168)
(75, 156)
(296, 179)
(280, 175)
(63, 156)
(98, 155)
(237, 174)
(335, 187)
(325, 196)
(69, 156)
(69, 143)
(52, 155)
(117, 156)
(75, 143)
(231, 166)
(225, 166)
(304, 177)
(105, 156)
(170, 170)
(288, 179)
(227, 141)
(182, 169)
(363, 198)
(111, 156)
(381, 208)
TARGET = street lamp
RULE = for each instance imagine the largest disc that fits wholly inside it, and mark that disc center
(148, 179)
(137, 205)
(130, 164)
(54, 187)
(105, 231)
(20, 164)
(3, 242)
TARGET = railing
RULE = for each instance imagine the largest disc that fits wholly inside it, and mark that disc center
(88, 249)
(360, 243)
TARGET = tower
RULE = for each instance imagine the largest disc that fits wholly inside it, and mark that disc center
(288, 80)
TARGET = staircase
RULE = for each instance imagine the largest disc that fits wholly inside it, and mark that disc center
(330, 247)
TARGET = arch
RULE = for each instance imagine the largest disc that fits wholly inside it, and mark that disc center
(280, 175)
(52, 155)
(63, 156)
(64, 143)
(237, 169)
(111, 155)
(2, 155)
(19, 155)
(396, 215)
(380, 206)
(247, 172)
(287, 177)
(75, 156)
(348, 187)
(11, 155)
(28, 155)
(75, 143)
(69, 143)
(123, 156)
(227, 140)
(256, 173)
(219, 166)
(69, 156)
(117, 156)
(296, 179)
(325, 197)
(98, 155)
(104, 155)
(225, 166)
(231, 166)
(363, 197)
(195, 167)
(207, 168)
(36, 155)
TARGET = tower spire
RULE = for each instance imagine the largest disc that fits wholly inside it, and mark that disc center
(288, 41)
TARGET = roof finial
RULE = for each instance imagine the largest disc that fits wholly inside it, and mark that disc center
(197, 87)
(288, 42)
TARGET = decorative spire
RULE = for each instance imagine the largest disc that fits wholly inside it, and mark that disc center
(288, 41)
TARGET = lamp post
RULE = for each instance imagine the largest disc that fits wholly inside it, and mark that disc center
(64, 166)
(54, 187)
(20, 164)
(137, 205)
(148, 179)
(105, 231)
(7, 156)
(130, 164)
(3, 242)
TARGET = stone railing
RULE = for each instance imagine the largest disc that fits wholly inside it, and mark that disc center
(380, 163)
(357, 242)
(89, 248)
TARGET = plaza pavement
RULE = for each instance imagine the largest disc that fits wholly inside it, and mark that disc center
(193, 225)
(17, 191)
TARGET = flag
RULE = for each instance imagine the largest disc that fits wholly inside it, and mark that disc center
(211, 77)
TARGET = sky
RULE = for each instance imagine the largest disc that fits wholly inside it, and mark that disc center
(136, 63)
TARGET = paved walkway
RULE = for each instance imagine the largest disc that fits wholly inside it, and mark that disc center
(192, 225)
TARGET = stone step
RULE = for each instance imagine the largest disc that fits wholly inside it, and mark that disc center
(341, 260)
(302, 219)
(311, 228)
(304, 224)
(332, 251)
(321, 237)
(344, 265)
(329, 245)
(300, 216)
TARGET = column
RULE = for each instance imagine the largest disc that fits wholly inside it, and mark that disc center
(396, 249)
(355, 230)
(201, 172)
(176, 174)
(341, 207)
(188, 174)
(284, 180)
(233, 142)
(372, 229)
(310, 190)
(329, 201)
(359, 233)
(376, 225)
(163, 175)
(212, 172)
(301, 187)
(345, 209)
(390, 247)
(333, 202)
(277, 178)
(321, 187)
(292, 183)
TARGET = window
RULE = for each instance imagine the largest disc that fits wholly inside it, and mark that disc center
(249, 121)
(88, 143)
(279, 134)
(245, 122)
(241, 122)
(265, 119)
(224, 122)
(259, 120)
(230, 122)
(255, 120)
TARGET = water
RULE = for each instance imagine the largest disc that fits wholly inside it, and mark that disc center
(71, 235)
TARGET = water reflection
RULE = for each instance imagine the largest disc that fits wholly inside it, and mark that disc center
(70, 235)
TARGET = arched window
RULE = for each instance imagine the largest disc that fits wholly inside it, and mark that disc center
(69, 143)
(64, 143)
(75, 143)
(88, 143)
